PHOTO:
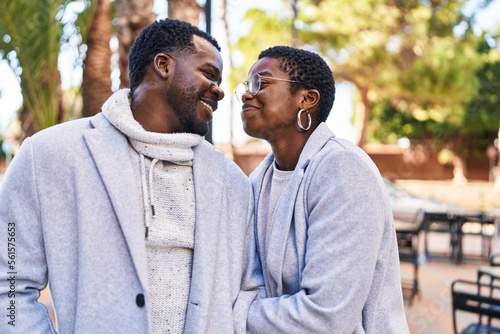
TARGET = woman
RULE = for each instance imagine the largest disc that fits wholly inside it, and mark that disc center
(324, 227)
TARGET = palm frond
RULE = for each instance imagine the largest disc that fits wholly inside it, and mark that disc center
(36, 42)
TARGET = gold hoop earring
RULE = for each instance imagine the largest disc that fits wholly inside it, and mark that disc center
(299, 122)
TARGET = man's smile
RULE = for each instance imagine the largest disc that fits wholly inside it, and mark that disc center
(208, 106)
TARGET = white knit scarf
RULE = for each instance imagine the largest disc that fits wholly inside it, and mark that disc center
(172, 147)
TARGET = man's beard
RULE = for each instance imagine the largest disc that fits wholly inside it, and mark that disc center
(184, 101)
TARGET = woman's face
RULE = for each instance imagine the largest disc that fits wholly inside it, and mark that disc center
(272, 112)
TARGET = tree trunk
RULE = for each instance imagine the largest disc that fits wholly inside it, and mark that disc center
(458, 162)
(363, 110)
(27, 126)
(185, 10)
(295, 33)
(96, 84)
(133, 16)
(229, 65)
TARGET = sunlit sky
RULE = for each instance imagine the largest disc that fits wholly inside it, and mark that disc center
(339, 119)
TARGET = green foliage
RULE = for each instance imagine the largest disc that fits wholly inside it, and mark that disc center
(479, 122)
(266, 30)
(421, 73)
(32, 31)
(483, 113)
(402, 51)
(419, 62)
(388, 124)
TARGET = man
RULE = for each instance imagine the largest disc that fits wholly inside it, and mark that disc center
(136, 223)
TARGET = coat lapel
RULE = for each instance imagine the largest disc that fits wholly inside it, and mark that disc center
(111, 155)
(208, 185)
(280, 231)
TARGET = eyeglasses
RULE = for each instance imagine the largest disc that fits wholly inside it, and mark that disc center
(253, 85)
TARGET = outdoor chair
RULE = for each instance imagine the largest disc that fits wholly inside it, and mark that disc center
(443, 222)
(408, 245)
(481, 225)
(476, 298)
(491, 271)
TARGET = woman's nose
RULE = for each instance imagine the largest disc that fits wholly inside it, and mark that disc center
(246, 96)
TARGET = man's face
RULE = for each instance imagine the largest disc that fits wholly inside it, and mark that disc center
(195, 92)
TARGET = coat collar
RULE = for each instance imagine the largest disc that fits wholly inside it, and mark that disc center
(314, 144)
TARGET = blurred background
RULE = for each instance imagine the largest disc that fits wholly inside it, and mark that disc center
(418, 88)
(417, 80)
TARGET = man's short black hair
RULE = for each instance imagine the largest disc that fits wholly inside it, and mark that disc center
(167, 36)
(309, 68)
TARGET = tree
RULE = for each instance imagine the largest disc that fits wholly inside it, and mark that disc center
(417, 58)
(32, 47)
(422, 59)
(32, 50)
(270, 29)
(470, 132)
(133, 16)
(402, 51)
(96, 81)
(482, 115)
(185, 10)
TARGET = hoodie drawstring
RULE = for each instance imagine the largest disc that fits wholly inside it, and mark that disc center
(145, 191)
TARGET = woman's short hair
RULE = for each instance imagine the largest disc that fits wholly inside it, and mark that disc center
(309, 68)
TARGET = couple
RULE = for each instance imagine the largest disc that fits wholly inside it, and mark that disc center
(139, 226)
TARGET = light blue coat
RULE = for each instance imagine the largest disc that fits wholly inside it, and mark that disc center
(332, 258)
(71, 194)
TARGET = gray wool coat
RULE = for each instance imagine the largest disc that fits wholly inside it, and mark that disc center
(71, 197)
(332, 258)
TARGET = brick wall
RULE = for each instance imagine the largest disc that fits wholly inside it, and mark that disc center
(391, 160)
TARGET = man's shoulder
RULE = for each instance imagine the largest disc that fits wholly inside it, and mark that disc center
(70, 135)
(220, 162)
(68, 128)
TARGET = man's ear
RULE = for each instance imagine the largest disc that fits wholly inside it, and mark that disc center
(162, 64)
